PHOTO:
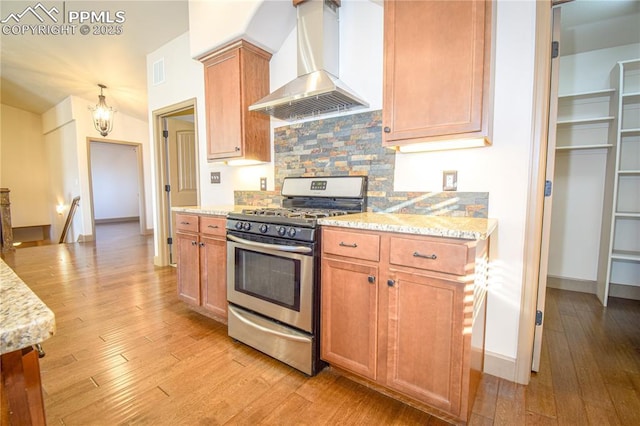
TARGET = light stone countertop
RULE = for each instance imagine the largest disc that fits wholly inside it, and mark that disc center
(24, 319)
(467, 228)
(221, 210)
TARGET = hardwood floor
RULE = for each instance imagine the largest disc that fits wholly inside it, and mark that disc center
(127, 351)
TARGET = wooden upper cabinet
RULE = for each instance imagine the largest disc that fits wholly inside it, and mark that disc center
(437, 57)
(236, 76)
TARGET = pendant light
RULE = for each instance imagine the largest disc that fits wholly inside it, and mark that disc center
(102, 114)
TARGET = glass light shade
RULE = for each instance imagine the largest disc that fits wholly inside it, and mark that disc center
(102, 115)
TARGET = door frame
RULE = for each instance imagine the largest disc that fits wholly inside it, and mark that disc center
(142, 206)
(535, 202)
(162, 257)
(545, 237)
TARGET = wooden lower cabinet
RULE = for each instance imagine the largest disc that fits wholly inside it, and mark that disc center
(202, 263)
(404, 322)
(350, 314)
(424, 345)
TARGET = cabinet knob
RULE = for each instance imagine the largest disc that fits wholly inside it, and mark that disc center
(371, 279)
(201, 244)
(391, 283)
(237, 148)
(193, 243)
(387, 129)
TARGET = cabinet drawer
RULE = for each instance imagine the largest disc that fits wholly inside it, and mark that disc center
(351, 244)
(431, 255)
(213, 225)
(186, 223)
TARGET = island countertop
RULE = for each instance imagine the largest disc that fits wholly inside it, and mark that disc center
(24, 319)
(467, 228)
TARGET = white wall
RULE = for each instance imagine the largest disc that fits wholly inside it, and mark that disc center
(114, 178)
(502, 169)
(24, 167)
(67, 128)
(592, 70)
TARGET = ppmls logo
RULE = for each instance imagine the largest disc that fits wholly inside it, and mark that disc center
(40, 20)
(39, 11)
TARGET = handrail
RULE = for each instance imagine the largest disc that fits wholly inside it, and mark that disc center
(67, 224)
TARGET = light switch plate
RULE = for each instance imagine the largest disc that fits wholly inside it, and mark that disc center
(263, 184)
(449, 180)
(215, 177)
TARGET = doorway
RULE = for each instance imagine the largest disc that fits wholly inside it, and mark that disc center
(177, 171)
(116, 183)
(582, 149)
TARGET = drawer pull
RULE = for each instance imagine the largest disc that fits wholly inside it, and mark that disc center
(193, 243)
(343, 244)
(371, 279)
(185, 223)
(391, 283)
(212, 226)
(425, 256)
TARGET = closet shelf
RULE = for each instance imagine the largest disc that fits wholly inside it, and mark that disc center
(577, 147)
(628, 215)
(591, 93)
(585, 120)
(627, 132)
(629, 172)
(626, 255)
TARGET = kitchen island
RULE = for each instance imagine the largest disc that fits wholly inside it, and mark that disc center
(25, 321)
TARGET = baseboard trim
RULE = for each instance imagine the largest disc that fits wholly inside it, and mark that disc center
(118, 220)
(570, 284)
(86, 238)
(624, 291)
(500, 366)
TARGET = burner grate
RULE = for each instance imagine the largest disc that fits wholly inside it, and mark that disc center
(294, 213)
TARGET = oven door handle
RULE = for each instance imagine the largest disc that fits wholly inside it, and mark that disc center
(239, 316)
(278, 247)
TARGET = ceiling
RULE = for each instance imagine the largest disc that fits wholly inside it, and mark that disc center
(39, 71)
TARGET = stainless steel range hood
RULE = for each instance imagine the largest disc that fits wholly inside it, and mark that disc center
(317, 90)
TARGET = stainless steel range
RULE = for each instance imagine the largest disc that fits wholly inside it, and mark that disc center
(273, 267)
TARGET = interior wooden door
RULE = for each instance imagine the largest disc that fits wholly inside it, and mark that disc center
(548, 201)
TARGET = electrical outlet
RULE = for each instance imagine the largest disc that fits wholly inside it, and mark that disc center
(215, 177)
(449, 180)
(263, 184)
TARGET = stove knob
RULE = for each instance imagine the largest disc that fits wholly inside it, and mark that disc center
(246, 226)
(239, 226)
(292, 232)
(282, 230)
(264, 228)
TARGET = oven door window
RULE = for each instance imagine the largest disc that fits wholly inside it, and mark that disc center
(269, 277)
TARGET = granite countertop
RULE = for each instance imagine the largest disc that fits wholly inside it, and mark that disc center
(24, 319)
(467, 228)
(221, 210)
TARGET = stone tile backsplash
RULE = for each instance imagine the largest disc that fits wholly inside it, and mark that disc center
(352, 145)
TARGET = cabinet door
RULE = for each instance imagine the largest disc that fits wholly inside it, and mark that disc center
(435, 70)
(425, 340)
(188, 268)
(223, 106)
(349, 316)
(213, 274)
